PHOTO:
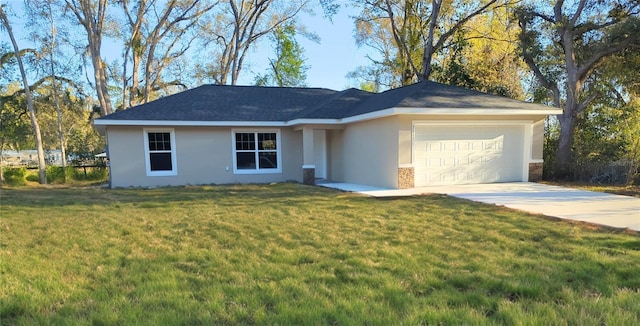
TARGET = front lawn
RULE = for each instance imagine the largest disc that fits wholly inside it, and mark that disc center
(292, 254)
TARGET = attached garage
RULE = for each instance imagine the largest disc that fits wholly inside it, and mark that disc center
(471, 152)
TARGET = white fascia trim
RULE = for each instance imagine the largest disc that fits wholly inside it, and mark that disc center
(175, 123)
(297, 122)
(448, 111)
(309, 166)
(357, 118)
(528, 149)
(370, 115)
(478, 111)
(536, 160)
(471, 122)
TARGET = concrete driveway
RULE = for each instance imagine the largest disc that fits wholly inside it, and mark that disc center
(579, 205)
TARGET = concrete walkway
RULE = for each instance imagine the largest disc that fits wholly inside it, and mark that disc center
(566, 203)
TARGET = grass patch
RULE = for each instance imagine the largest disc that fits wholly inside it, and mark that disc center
(293, 254)
(625, 190)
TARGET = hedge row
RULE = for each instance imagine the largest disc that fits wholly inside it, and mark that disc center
(55, 175)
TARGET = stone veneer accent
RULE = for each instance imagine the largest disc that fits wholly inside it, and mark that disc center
(405, 178)
(535, 172)
(309, 176)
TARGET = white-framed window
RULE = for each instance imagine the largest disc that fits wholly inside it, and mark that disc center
(160, 152)
(256, 151)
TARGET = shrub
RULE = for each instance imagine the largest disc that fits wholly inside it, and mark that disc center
(14, 176)
(55, 174)
(33, 177)
(98, 173)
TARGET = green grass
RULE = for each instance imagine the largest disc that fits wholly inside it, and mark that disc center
(292, 254)
(625, 190)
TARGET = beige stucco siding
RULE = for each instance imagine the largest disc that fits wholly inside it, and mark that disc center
(370, 153)
(126, 155)
(537, 142)
(335, 154)
(203, 156)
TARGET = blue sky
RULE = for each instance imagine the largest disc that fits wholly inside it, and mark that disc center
(329, 60)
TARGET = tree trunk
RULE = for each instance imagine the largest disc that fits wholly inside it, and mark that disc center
(100, 76)
(42, 171)
(133, 46)
(125, 83)
(148, 67)
(134, 96)
(63, 151)
(568, 119)
(565, 143)
(54, 88)
(429, 45)
(91, 14)
(1, 159)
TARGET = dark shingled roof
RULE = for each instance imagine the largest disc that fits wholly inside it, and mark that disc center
(438, 96)
(336, 106)
(253, 103)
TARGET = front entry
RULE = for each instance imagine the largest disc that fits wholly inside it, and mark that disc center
(320, 153)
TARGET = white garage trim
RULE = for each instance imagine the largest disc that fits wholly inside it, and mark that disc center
(528, 150)
(526, 141)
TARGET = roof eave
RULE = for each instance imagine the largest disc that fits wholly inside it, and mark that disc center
(102, 123)
(452, 112)
(186, 123)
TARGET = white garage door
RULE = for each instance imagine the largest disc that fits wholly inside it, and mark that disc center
(466, 154)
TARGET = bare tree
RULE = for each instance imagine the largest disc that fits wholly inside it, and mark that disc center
(241, 25)
(564, 47)
(432, 44)
(135, 18)
(413, 31)
(164, 34)
(92, 14)
(42, 172)
(54, 83)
